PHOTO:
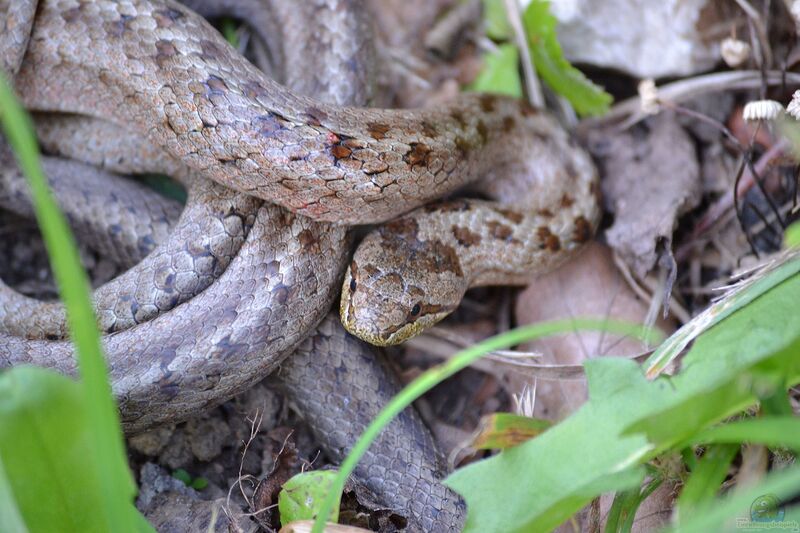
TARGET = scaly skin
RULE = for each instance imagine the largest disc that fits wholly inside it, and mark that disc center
(126, 223)
(162, 70)
(409, 486)
(412, 272)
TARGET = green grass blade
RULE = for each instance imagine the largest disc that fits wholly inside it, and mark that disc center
(107, 447)
(713, 516)
(673, 346)
(437, 374)
(707, 477)
(774, 431)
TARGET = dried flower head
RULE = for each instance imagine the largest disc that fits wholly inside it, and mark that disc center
(648, 93)
(762, 110)
(734, 52)
(794, 106)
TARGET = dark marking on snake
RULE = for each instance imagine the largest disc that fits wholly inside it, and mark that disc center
(377, 130)
(465, 237)
(582, 231)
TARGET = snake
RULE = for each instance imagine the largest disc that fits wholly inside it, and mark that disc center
(410, 485)
(158, 69)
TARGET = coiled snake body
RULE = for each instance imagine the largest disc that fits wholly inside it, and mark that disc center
(159, 72)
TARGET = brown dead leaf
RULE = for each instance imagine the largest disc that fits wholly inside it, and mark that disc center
(285, 464)
(587, 286)
(650, 178)
(499, 431)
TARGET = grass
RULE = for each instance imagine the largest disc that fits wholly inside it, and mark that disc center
(106, 444)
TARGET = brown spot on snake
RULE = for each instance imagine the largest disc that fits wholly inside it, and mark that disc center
(418, 155)
(566, 200)
(315, 116)
(514, 216)
(307, 238)
(164, 50)
(483, 132)
(499, 230)
(377, 130)
(487, 103)
(549, 240)
(465, 237)
(508, 123)
(405, 227)
(429, 130)
(166, 17)
(211, 51)
(117, 28)
(437, 257)
(582, 231)
(339, 151)
(71, 15)
(267, 125)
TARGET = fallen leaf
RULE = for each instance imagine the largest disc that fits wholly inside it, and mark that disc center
(650, 178)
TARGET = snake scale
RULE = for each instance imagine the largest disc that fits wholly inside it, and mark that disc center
(192, 104)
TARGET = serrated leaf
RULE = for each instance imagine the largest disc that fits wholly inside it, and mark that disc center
(540, 27)
(499, 431)
(301, 497)
(500, 73)
(629, 420)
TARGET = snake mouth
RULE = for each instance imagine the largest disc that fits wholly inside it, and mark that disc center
(391, 336)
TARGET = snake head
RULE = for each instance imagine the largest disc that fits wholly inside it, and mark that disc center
(397, 286)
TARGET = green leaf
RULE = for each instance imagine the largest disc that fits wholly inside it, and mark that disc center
(228, 28)
(500, 73)
(504, 430)
(182, 475)
(540, 27)
(105, 446)
(707, 477)
(435, 375)
(495, 20)
(791, 237)
(736, 300)
(199, 483)
(302, 496)
(44, 438)
(629, 420)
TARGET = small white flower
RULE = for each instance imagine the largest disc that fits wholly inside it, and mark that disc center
(648, 93)
(734, 52)
(794, 106)
(762, 110)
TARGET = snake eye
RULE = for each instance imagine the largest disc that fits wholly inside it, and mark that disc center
(352, 285)
(415, 310)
